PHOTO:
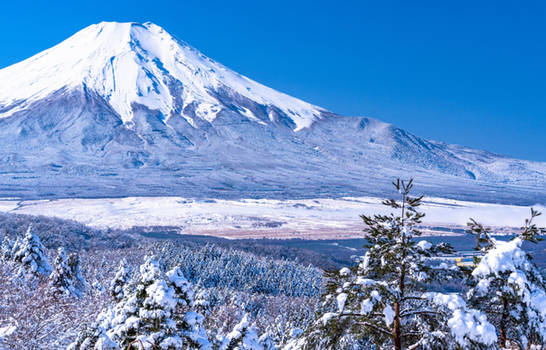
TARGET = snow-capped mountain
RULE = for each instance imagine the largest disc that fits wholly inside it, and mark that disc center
(126, 109)
(129, 63)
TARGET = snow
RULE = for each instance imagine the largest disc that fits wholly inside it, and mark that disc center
(483, 286)
(129, 63)
(159, 294)
(6, 331)
(296, 332)
(538, 300)
(345, 271)
(365, 281)
(150, 270)
(31, 253)
(424, 245)
(506, 256)
(246, 334)
(327, 317)
(515, 278)
(464, 323)
(388, 312)
(176, 277)
(375, 295)
(152, 311)
(176, 122)
(341, 299)
(366, 306)
(66, 277)
(228, 217)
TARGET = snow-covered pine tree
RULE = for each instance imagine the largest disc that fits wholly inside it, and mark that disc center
(482, 233)
(275, 333)
(120, 281)
(267, 340)
(286, 326)
(384, 299)
(188, 321)
(510, 289)
(157, 314)
(29, 252)
(74, 263)
(66, 278)
(242, 337)
(6, 248)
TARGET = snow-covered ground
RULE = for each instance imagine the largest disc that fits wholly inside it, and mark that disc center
(257, 218)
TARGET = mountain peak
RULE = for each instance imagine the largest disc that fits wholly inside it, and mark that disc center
(125, 109)
(130, 64)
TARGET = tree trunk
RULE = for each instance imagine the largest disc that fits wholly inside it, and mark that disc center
(502, 337)
(502, 326)
(396, 331)
(396, 328)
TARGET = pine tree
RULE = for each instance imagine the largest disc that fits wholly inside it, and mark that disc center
(189, 322)
(66, 278)
(267, 340)
(157, 314)
(483, 234)
(6, 248)
(30, 254)
(242, 337)
(384, 299)
(74, 263)
(510, 289)
(120, 281)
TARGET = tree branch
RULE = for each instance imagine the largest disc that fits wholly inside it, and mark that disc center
(377, 328)
(424, 312)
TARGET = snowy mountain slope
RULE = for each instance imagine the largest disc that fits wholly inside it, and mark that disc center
(124, 109)
(129, 63)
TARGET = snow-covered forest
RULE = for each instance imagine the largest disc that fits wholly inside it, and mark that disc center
(67, 286)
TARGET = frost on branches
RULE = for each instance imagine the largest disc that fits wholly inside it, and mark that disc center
(121, 279)
(384, 299)
(29, 252)
(157, 314)
(243, 337)
(6, 248)
(66, 278)
(510, 289)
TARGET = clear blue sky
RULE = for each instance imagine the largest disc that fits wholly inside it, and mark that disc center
(465, 72)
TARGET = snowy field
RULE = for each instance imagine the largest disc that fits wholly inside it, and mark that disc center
(312, 218)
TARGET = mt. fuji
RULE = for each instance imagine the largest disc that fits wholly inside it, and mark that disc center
(125, 109)
(128, 63)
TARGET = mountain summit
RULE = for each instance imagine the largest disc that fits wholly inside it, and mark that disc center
(122, 109)
(131, 63)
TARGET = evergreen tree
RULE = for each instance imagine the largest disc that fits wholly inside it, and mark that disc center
(188, 321)
(243, 337)
(157, 314)
(384, 299)
(483, 234)
(267, 341)
(120, 281)
(6, 248)
(30, 254)
(66, 278)
(74, 263)
(510, 289)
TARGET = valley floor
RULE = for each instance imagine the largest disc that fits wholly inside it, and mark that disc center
(263, 218)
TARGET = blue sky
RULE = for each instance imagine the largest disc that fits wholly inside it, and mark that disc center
(465, 72)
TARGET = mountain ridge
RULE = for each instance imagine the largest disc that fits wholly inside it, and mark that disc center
(127, 109)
